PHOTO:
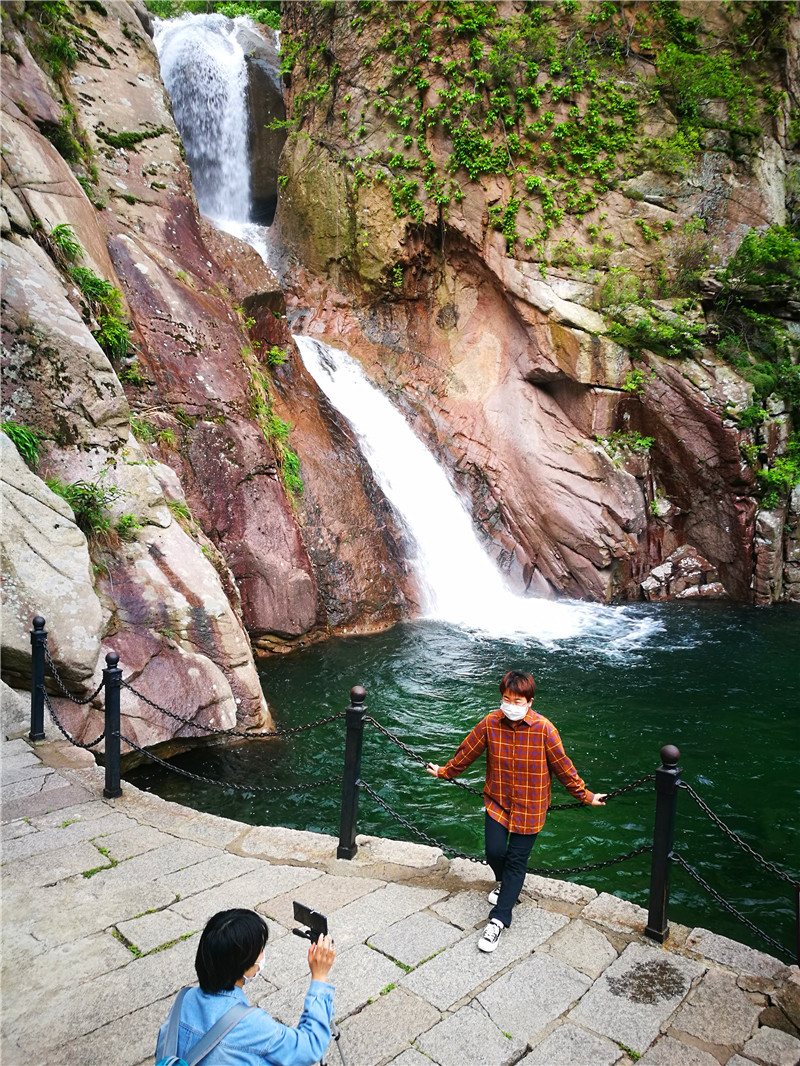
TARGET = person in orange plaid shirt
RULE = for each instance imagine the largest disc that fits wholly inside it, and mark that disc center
(523, 749)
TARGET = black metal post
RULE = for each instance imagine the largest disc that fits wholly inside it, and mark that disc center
(112, 676)
(38, 641)
(352, 771)
(667, 781)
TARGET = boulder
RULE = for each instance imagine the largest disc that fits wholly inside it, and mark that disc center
(684, 574)
(56, 378)
(46, 570)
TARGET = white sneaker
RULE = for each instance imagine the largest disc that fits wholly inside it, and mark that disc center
(494, 896)
(491, 934)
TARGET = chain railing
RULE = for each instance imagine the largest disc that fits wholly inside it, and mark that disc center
(112, 682)
(667, 785)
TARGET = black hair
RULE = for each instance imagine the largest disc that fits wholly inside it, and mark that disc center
(519, 684)
(230, 944)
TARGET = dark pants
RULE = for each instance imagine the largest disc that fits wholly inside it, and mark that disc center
(507, 854)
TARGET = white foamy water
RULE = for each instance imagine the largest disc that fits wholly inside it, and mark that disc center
(204, 71)
(460, 583)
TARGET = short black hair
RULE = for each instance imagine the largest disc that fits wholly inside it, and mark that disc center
(230, 944)
(519, 684)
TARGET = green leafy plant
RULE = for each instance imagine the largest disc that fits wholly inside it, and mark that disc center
(128, 526)
(143, 430)
(180, 511)
(619, 288)
(26, 441)
(276, 356)
(90, 502)
(128, 138)
(626, 439)
(780, 478)
(65, 244)
(635, 381)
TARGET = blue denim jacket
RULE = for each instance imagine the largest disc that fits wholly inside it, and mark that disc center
(257, 1039)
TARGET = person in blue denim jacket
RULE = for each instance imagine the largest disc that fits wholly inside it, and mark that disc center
(231, 953)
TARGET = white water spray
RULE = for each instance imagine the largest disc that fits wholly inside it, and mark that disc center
(204, 71)
(459, 582)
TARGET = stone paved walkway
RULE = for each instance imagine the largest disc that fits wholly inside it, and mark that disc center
(102, 902)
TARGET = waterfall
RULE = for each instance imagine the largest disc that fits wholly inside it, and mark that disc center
(204, 71)
(459, 582)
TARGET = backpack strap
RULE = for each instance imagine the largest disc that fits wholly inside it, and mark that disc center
(171, 1038)
(217, 1032)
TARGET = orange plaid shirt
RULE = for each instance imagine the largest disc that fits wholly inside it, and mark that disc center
(520, 757)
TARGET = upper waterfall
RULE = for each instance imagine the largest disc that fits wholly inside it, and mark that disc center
(459, 582)
(204, 71)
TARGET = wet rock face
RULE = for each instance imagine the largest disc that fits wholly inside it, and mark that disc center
(491, 330)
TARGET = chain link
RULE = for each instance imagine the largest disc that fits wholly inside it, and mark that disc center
(231, 732)
(62, 686)
(482, 862)
(729, 906)
(67, 735)
(228, 784)
(735, 837)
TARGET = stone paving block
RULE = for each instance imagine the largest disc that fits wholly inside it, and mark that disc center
(152, 930)
(670, 1052)
(365, 917)
(16, 829)
(468, 1036)
(727, 952)
(533, 994)
(615, 913)
(12, 748)
(92, 811)
(415, 938)
(53, 865)
(176, 855)
(635, 996)
(91, 907)
(771, 1047)
(15, 770)
(359, 975)
(82, 959)
(740, 1060)
(54, 799)
(385, 1027)
(208, 874)
(465, 909)
(127, 1041)
(326, 895)
(570, 1046)
(396, 852)
(553, 890)
(456, 972)
(472, 872)
(71, 1012)
(584, 947)
(412, 1057)
(281, 844)
(246, 891)
(717, 1011)
(51, 839)
(38, 780)
(133, 841)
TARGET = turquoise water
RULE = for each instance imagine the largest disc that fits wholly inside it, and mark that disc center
(719, 681)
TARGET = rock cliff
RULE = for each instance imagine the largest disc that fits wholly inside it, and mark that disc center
(562, 237)
(539, 218)
(136, 381)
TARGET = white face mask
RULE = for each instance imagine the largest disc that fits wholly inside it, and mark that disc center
(514, 712)
(260, 964)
